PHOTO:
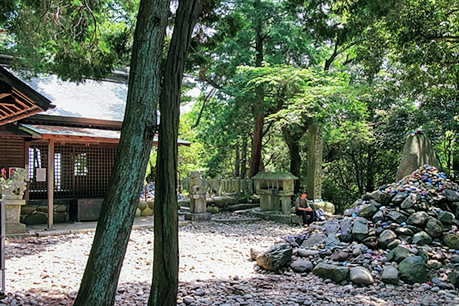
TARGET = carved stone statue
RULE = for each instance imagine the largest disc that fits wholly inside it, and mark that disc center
(14, 187)
(198, 205)
(12, 191)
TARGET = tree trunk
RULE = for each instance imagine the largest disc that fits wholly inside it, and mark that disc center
(292, 141)
(257, 145)
(164, 286)
(101, 275)
(237, 162)
(258, 109)
(370, 185)
(244, 159)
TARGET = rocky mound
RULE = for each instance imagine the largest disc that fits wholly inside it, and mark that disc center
(404, 232)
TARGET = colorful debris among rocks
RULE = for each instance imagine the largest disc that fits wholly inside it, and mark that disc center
(405, 232)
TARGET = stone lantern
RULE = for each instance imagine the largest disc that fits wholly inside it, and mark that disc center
(275, 190)
(12, 191)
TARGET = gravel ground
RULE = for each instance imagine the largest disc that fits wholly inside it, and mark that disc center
(215, 269)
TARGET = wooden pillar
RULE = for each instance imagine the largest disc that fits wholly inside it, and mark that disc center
(50, 183)
(2, 249)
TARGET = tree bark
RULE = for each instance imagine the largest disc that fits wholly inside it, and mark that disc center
(292, 140)
(164, 286)
(244, 159)
(237, 161)
(258, 108)
(101, 275)
(257, 145)
(370, 185)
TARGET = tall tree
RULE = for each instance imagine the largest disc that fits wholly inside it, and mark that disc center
(251, 33)
(164, 286)
(100, 279)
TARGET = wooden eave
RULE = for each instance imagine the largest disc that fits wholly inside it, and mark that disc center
(18, 100)
(74, 122)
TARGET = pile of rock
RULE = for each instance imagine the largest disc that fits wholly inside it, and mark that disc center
(401, 233)
(148, 192)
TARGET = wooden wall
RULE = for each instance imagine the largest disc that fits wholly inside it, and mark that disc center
(12, 152)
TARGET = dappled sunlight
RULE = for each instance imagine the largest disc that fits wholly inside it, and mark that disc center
(215, 269)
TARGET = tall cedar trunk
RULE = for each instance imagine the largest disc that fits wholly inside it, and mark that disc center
(101, 275)
(237, 162)
(257, 144)
(258, 109)
(164, 286)
(244, 159)
(292, 142)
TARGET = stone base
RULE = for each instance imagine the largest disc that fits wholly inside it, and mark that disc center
(198, 216)
(15, 228)
(274, 216)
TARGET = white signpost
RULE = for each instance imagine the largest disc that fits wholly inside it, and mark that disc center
(2, 247)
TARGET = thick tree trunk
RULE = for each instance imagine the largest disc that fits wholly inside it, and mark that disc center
(164, 286)
(258, 109)
(292, 141)
(257, 145)
(244, 159)
(237, 161)
(101, 275)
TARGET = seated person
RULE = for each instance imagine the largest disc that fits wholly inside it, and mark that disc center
(303, 209)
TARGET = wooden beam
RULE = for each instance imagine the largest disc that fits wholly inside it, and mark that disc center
(50, 183)
(8, 100)
(4, 95)
(84, 139)
(74, 121)
(14, 82)
(23, 114)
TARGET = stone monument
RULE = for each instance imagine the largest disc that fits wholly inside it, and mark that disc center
(314, 184)
(12, 191)
(418, 151)
(314, 179)
(198, 204)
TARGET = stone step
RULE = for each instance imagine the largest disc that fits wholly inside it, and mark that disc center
(243, 206)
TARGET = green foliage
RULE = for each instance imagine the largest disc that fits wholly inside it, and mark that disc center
(71, 38)
(190, 158)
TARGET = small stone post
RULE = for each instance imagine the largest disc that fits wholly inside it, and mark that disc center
(315, 138)
(219, 186)
(12, 191)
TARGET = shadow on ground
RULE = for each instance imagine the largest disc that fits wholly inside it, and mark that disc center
(16, 248)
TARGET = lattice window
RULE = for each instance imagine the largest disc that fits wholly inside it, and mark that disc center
(81, 164)
(78, 170)
(38, 159)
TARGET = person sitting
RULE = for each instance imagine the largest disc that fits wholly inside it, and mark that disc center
(303, 209)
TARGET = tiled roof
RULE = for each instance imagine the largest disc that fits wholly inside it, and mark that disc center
(104, 100)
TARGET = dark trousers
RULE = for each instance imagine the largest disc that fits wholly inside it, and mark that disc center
(307, 216)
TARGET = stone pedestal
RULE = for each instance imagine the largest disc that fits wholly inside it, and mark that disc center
(12, 216)
(265, 199)
(286, 204)
(198, 203)
(276, 203)
(198, 216)
(314, 185)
